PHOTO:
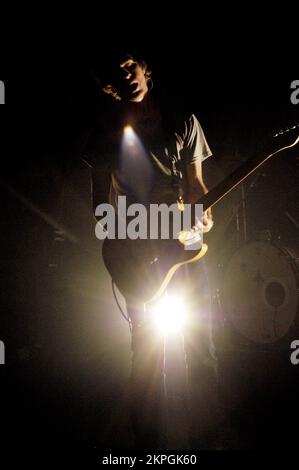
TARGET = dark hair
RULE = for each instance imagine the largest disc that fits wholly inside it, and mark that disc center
(104, 75)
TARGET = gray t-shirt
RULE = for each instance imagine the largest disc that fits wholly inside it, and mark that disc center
(144, 170)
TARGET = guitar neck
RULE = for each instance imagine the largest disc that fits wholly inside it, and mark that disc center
(231, 181)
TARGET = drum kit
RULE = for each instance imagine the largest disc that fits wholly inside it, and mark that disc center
(257, 293)
(260, 292)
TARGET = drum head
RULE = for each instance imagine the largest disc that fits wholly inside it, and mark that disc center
(260, 295)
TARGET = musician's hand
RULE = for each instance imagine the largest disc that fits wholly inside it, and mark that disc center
(206, 223)
(194, 236)
(207, 220)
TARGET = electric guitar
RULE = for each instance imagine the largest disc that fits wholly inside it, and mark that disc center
(142, 269)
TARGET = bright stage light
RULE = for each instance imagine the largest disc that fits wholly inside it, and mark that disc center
(129, 135)
(134, 160)
(169, 314)
(128, 130)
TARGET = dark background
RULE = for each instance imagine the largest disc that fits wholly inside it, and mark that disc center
(67, 347)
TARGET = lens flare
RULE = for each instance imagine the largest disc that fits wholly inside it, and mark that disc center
(169, 315)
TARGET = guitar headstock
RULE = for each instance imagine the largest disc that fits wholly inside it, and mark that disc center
(286, 138)
(292, 130)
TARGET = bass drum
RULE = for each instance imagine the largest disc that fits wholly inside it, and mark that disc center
(260, 293)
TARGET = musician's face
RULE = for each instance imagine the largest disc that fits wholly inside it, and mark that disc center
(131, 82)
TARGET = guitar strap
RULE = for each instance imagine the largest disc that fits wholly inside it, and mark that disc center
(177, 176)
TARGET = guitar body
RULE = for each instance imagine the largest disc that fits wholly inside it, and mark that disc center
(142, 269)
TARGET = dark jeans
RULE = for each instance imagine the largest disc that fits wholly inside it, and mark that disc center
(150, 390)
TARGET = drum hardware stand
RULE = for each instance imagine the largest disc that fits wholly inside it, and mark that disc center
(244, 213)
(242, 206)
